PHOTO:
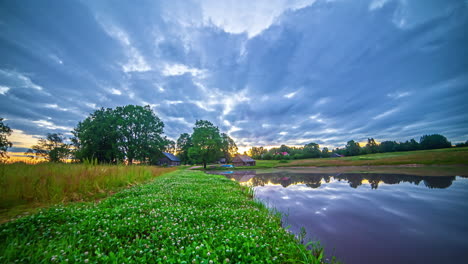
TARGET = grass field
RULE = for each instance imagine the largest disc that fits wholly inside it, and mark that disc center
(180, 217)
(24, 187)
(450, 156)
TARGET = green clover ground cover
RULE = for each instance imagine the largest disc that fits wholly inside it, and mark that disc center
(180, 217)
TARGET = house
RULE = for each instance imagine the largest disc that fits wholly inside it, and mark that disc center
(336, 155)
(169, 159)
(243, 160)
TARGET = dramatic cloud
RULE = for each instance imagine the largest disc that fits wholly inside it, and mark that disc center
(266, 72)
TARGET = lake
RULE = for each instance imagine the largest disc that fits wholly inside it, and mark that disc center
(370, 217)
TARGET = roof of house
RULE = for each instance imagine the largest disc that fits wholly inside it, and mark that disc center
(171, 157)
(243, 158)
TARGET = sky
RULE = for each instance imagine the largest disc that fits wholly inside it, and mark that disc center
(267, 72)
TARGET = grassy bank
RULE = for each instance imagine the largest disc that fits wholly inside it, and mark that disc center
(26, 186)
(180, 217)
(450, 156)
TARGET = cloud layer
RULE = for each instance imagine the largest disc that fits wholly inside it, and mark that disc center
(266, 72)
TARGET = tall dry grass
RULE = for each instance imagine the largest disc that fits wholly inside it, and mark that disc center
(49, 183)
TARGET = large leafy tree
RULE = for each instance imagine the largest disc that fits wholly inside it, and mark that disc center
(184, 142)
(352, 148)
(97, 137)
(140, 133)
(312, 150)
(53, 148)
(325, 153)
(257, 152)
(206, 143)
(434, 141)
(371, 146)
(228, 147)
(124, 133)
(5, 131)
(388, 146)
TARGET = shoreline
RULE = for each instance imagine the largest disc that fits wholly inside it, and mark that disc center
(182, 216)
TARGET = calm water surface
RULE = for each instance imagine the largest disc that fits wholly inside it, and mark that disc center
(371, 218)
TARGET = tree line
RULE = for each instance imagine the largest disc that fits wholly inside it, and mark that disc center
(352, 148)
(127, 134)
(134, 133)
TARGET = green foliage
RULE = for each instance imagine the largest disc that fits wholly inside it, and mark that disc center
(258, 152)
(388, 146)
(325, 153)
(184, 142)
(184, 217)
(5, 131)
(170, 146)
(371, 146)
(460, 145)
(352, 148)
(52, 148)
(124, 133)
(312, 150)
(228, 147)
(206, 143)
(434, 141)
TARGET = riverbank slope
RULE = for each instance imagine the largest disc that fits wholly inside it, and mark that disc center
(180, 217)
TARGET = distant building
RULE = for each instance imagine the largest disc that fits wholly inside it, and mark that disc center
(222, 161)
(243, 160)
(169, 159)
(336, 155)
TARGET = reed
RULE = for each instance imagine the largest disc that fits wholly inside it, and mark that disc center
(31, 185)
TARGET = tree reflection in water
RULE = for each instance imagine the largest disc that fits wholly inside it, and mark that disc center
(315, 180)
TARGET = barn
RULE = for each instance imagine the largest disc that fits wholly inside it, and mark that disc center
(169, 159)
(243, 160)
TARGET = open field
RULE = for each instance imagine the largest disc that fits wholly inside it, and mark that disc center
(180, 217)
(449, 156)
(24, 187)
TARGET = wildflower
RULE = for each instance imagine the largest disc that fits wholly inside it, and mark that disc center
(86, 260)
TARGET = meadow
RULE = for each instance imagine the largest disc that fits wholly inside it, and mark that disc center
(25, 187)
(180, 217)
(448, 156)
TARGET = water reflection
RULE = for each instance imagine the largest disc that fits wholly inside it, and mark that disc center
(315, 180)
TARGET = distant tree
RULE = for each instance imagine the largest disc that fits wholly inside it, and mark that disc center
(124, 133)
(228, 147)
(257, 152)
(5, 131)
(325, 153)
(170, 146)
(267, 156)
(52, 148)
(434, 141)
(340, 151)
(388, 146)
(312, 150)
(206, 143)
(371, 146)
(184, 142)
(352, 148)
(460, 145)
(284, 148)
